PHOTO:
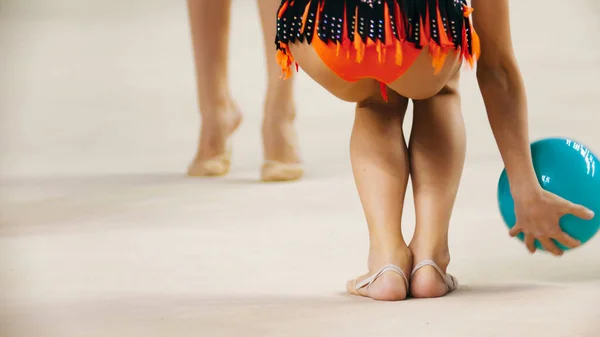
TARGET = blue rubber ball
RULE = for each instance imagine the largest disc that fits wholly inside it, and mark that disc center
(566, 168)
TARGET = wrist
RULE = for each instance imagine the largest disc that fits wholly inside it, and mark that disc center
(524, 186)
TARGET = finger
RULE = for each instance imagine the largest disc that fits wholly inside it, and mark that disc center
(530, 243)
(580, 211)
(551, 247)
(516, 230)
(567, 241)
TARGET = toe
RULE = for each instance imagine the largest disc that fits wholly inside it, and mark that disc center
(388, 287)
(351, 287)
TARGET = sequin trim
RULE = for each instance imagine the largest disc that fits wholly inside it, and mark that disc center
(442, 25)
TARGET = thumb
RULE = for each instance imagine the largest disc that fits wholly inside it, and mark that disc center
(516, 230)
(580, 211)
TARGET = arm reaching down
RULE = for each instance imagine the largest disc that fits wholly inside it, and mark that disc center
(503, 91)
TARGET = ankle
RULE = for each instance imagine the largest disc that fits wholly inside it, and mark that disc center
(279, 113)
(215, 107)
(431, 249)
(379, 256)
(280, 139)
(440, 253)
(277, 124)
(223, 115)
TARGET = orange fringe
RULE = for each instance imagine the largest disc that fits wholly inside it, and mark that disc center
(439, 53)
(285, 60)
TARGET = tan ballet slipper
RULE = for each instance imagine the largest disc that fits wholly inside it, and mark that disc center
(362, 288)
(213, 167)
(276, 171)
(450, 281)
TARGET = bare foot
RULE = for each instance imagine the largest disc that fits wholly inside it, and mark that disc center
(390, 285)
(214, 157)
(280, 141)
(427, 282)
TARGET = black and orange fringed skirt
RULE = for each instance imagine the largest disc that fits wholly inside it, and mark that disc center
(375, 38)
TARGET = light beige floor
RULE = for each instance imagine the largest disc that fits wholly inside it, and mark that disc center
(102, 235)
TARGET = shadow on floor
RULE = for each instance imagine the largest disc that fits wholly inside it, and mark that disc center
(194, 315)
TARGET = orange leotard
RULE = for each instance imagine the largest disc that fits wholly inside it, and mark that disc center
(377, 39)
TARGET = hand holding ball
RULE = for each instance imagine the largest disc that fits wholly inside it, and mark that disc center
(569, 173)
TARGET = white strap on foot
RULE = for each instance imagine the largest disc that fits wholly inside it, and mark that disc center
(369, 280)
(450, 281)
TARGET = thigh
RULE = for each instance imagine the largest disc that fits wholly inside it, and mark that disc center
(311, 63)
(438, 122)
(449, 93)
